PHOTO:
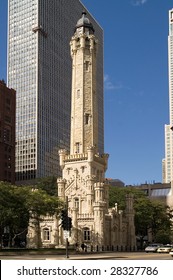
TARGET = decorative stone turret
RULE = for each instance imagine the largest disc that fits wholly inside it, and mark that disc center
(61, 188)
(62, 154)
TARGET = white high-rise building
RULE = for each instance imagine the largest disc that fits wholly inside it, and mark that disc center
(168, 162)
(169, 150)
(39, 69)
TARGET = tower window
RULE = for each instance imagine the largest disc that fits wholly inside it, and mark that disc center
(86, 118)
(87, 65)
(77, 147)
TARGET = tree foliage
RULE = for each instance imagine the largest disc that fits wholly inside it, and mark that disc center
(19, 204)
(48, 184)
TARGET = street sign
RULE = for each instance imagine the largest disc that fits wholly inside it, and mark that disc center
(66, 233)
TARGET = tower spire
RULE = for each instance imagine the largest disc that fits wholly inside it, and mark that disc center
(84, 112)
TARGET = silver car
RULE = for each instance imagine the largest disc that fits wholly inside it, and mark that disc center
(152, 247)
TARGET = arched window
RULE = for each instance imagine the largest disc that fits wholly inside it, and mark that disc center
(46, 234)
(86, 234)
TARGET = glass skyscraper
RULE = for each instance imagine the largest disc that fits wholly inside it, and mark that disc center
(39, 69)
(168, 162)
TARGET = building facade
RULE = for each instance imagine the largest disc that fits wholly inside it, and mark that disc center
(155, 191)
(168, 161)
(167, 168)
(7, 133)
(83, 182)
(39, 66)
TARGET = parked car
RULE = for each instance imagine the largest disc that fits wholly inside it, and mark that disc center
(152, 247)
(171, 252)
(165, 248)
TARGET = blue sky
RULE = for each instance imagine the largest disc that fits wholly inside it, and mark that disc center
(136, 83)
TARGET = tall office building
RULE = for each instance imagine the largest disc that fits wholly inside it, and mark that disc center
(7, 133)
(39, 68)
(167, 168)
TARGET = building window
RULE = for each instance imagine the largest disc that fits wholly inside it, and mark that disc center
(46, 234)
(87, 65)
(86, 118)
(87, 234)
(76, 202)
(77, 147)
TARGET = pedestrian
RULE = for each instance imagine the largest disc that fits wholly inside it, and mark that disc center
(83, 246)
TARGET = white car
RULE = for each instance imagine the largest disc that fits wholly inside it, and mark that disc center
(164, 249)
(171, 253)
(152, 247)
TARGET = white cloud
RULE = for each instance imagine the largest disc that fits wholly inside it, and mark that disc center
(109, 85)
(138, 2)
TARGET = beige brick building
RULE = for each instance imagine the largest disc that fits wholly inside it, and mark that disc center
(83, 181)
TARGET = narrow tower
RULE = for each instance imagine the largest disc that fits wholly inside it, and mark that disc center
(83, 169)
(84, 112)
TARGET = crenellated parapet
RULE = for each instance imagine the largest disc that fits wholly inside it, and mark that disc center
(61, 180)
(99, 185)
(85, 217)
(76, 157)
(99, 205)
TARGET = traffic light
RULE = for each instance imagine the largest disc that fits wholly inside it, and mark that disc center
(64, 218)
(66, 221)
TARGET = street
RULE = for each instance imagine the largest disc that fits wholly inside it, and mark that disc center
(96, 256)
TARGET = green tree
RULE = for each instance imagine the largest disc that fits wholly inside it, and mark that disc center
(143, 215)
(19, 205)
(163, 236)
(48, 184)
(40, 204)
(117, 195)
(161, 222)
(14, 214)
